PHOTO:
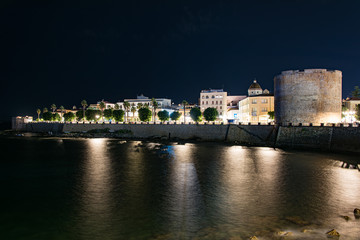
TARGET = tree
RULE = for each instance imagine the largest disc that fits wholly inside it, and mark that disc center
(144, 114)
(69, 116)
(126, 108)
(102, 107)
(133, 110)
(108, 114)
(118, 115)
(357, 112)
(62, 110)
(47, 116)
(45, 110)
(184, 103)
(84, 104)
(79, 115)
(210, 114)
(195, 114)
(92, 115)
(116, 107)
(56, 117)
(154, 105)
(271, 115)
(139, 105)
(175, 116)
(53, 107)
(163, 115)
(356, 92)
(38, 111)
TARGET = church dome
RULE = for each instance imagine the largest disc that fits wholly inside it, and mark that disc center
(255, 85)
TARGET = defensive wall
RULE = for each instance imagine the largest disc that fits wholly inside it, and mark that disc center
(309, 96)
(328, 138)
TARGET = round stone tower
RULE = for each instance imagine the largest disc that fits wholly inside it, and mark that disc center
(309, 96)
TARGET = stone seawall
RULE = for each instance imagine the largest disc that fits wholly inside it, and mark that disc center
(338, 139)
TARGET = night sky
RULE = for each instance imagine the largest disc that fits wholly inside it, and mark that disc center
(60, 52)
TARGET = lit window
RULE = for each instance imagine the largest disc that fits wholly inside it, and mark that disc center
(264, 100)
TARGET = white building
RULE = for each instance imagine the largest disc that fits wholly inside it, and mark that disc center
(163, 104)
(227, 106)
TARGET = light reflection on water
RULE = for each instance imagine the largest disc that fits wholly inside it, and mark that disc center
(140, 190)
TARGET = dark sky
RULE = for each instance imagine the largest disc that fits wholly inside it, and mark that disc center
(60, 52)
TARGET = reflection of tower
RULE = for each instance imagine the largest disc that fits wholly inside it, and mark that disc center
(255, 89)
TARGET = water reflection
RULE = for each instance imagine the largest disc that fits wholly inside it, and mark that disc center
(96, 186)
(183, 194)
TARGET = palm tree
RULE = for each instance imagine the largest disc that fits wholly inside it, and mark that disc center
(45, 110)
(356, 92)
(62, 110)
(184, 103)
(154, 107)
(84, 104)
(53, 107)
(117, 107)
(126, 108)
(38, 111)
(102, 107)
(139, 105)
(133, 110)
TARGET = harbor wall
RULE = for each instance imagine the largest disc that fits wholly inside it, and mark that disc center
(327, 138)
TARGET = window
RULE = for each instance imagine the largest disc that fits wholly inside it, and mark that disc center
(264, 100)
(206, 102)
(220, 102)
(212, 102)
(253, 101)
(207, 97)
(216, 102)
(212, 96)
(220, 107)
(202, 103)
(264, 109)
(202, 97)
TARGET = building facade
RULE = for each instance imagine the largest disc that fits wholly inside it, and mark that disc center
(214, 98)
(226, 105)
(256, 107)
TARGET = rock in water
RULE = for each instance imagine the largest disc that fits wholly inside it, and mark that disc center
(333, 233)
(357, 213)
(347, 218)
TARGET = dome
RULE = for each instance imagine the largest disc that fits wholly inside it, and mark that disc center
(255, 85)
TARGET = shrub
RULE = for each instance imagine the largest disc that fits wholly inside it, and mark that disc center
(103, 130)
